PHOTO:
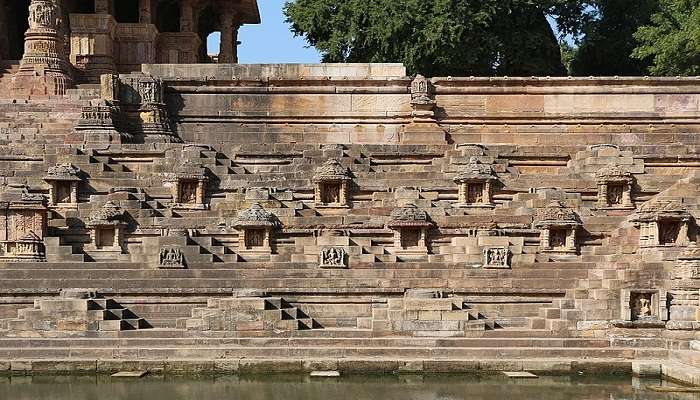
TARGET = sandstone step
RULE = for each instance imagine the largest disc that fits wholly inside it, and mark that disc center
(223, 352)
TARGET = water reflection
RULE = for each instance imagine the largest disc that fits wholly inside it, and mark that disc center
(296, 387)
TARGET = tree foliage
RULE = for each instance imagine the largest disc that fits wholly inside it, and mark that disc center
(438, 37)
(606, 38)
(506, 37)
(672, 38)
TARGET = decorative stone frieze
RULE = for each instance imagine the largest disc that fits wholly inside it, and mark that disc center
(410, 225)
(496, 258)
(64, 181)
(102, 122)
(331, 182)
(22, 225)
(558, 226)
(333, 257)
(44, 69)
(476, 181)
(188, 186)
(663, 222)
(255, 226)
(614, 187)
(107, 225)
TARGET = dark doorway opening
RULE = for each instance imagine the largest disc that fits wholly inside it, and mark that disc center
(85, 7)
(126, 11)
(168, 16)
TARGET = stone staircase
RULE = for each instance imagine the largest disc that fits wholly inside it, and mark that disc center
(560, 316)
(427, 313)
(248, 314)
(75, 311)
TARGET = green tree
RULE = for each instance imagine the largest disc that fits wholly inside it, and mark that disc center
(438, 37)
(672, 39)
(607, 40)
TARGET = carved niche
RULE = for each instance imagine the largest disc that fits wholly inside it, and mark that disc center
(476, 181)
(410, 225)
(614, 187)
(422, 100)
(663, 222)
(333, 257)
(22, 225)
(107, 225)
(643, 305)
(171, 257)
(255, 226)
(331, 182)
(64, 181)
(558, 226)
(188, 186)
(496, 258)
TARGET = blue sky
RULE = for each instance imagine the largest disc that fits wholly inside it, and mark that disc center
(269, 42)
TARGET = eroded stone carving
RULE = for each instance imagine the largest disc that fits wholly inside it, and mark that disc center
(422, 100)
(496, 257)
(171, 257)
(331, 184)
(614, 187)
(663, 222)
(256, 225)
(410, 225)
(188, 185)
(643, 305)
(107, 225)
(64, 180)
(475, 182)
(558, 226)
(22, 224)
(44, 69)
(333, 257)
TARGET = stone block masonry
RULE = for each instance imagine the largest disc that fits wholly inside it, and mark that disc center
(269, 217)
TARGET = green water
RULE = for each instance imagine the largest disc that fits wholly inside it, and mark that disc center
(284, 387)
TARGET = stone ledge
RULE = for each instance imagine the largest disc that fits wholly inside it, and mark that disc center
(343, 365)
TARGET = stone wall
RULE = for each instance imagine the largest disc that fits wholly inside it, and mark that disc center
(526, 207)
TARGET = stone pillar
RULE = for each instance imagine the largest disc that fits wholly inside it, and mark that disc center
(92, 45)
(44, 69)
(102, 7)
(145, 12)
(186, 16)
(229, 37)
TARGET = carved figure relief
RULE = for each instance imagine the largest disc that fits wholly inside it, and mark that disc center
(333, 257)
(330, 193)
(496, 257)
(641, 306)
(614, 194)
(668, 232)
(410, 237)
(475, 193)
(557, 238)
(254, 238)
(188, 192)
(171, 257)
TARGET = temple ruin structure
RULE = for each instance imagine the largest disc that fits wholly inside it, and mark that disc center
(332, 214)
